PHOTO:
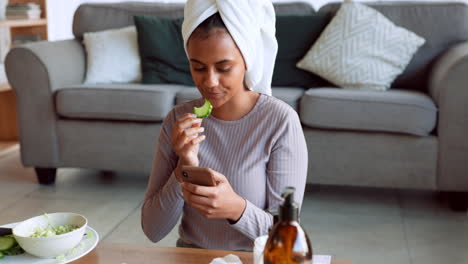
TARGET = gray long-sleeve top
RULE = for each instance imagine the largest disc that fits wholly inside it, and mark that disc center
(260, 155)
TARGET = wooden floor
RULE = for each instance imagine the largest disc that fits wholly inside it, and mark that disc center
(6, 144)
(367, 225)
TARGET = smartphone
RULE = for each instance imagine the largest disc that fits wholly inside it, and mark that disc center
(198, 175)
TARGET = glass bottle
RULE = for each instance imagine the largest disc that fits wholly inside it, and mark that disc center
(288, 242)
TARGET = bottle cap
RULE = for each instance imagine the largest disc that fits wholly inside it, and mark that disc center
(289, 210)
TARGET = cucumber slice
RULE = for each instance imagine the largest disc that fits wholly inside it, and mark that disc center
(6, 242)
(203, 111)
(1, 255)
(16, 250)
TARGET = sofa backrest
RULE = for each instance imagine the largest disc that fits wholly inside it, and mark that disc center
(441, 24)
(97, 17)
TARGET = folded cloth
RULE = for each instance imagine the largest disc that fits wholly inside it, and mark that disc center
(251, 24)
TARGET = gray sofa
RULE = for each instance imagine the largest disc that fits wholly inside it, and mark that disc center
(412, 136)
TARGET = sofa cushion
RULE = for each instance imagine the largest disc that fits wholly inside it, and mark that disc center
(438, 33)
(398, 111)
(117, 62)
(361, 49)
(289, 95)
(129, 102)
(161, 47)
(295, 35)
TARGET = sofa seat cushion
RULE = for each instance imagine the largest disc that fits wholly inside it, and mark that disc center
(129, 102)
(289, 95)
(399, 111)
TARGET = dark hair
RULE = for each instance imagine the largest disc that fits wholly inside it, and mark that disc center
(213, 22)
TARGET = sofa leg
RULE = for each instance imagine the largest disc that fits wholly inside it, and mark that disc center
(46, 176)
(458, 200)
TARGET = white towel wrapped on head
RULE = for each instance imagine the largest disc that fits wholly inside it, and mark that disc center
(251, 24)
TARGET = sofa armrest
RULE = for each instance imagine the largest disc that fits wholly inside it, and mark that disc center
(34, 72)
(448, 88)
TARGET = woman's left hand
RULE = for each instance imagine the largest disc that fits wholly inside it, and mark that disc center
(217, 202)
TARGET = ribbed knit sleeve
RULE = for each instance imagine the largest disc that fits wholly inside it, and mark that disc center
(287, 166)
(163, 203)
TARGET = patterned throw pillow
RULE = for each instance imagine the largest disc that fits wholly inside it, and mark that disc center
(361, 49)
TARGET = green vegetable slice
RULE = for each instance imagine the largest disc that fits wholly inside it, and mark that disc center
(203, 111)
(1, 255)
(12, 247)
(16, 250)
(6, 242)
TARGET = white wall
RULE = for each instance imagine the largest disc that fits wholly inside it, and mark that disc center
(60, 15)
(60, 12)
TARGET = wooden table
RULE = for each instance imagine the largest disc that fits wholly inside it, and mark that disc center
(136, 254)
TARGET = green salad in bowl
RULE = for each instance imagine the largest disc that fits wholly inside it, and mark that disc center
(50, 235)
(53, 230)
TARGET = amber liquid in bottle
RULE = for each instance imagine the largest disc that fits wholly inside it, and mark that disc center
(287, 242)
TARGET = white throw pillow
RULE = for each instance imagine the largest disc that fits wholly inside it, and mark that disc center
(112, 56)
(361, 49)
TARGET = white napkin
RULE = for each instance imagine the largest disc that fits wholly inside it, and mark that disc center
(259, 246)
(251, 24)
(228, 259)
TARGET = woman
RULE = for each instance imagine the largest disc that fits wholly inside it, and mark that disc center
(253, 142)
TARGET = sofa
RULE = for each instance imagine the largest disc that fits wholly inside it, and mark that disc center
(411, 136)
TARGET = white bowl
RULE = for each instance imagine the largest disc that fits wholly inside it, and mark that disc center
(53, 246)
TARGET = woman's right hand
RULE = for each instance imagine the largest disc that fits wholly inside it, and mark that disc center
(186, 139)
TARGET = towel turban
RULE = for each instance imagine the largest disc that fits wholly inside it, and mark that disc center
(251, 23)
